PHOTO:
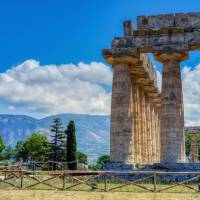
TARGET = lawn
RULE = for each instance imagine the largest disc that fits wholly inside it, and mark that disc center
(76, 195)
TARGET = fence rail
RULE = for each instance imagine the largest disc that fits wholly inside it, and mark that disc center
(135, 181)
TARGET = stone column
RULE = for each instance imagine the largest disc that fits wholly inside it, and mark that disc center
(122, 109)
(153, 134)
(157, 135)
(121, 138)
(139, 132)
(135, 121)
(172, 114)
(143, 126)
(194, 154)
(148, 130)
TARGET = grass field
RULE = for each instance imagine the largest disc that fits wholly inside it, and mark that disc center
(70, 195)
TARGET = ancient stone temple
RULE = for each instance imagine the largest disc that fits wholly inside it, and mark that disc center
(194, 149)
(148, 126)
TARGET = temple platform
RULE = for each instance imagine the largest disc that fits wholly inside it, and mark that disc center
(176, 167)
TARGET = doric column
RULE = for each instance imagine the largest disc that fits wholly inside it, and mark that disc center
(121, 137)
(153, 133)
(139, 132)
(143, 127)
(148, 130)
(157, 135)
(194, 155)
(172, 114)
(135, 121)
(122, 123)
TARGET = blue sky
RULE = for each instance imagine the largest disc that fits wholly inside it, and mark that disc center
(51, 58)
(70, 31)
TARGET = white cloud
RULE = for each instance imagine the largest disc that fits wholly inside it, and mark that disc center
(81, 88)
(159, 80)
(191, 93)
(54, 89)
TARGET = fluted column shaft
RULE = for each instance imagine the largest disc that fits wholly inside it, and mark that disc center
(122, 137)
(172, 114)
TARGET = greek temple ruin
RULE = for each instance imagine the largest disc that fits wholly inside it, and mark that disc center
(194, 149)
(147, 126)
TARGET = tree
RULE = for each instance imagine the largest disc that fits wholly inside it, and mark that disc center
(7, 153)
(37, 146)
(2, 145)
(187, 144)
(81, 157)
(21, 151)
(71, 146)
(56, 145)
(102, 160)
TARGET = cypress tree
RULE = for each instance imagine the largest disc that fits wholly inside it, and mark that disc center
(56, 145)
(71, 146)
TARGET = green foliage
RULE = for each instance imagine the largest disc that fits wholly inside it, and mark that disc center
(57, 143)
(187, 144)
(102, 160)
(37, 146)
(71, 146)
(2, 145)
(7, 153)
(21, 151)
(81, 157)
(95, 167)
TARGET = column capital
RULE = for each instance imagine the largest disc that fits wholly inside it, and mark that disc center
(118, 56)
(172, 56)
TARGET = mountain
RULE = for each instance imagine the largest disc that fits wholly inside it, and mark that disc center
(92, 130)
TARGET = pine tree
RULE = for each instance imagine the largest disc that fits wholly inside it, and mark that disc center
(56, 145)
(71, 146)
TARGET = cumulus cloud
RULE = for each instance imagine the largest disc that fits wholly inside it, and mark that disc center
(191, 93)
(54, 89)
(81, 88)
(159, 80)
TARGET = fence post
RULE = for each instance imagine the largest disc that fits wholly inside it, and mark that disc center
(105, 182)
(21, 182)
(198, 183)
(63, 181)
(154, 181)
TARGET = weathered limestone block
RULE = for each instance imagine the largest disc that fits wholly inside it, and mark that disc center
(194, 154)
(172, 115)
(187, 20)
(155, 21)
(128, 29)
(179, 20)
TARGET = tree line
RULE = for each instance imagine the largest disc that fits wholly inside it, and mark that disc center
(61, 146)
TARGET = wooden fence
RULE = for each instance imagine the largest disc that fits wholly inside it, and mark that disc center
(146, 181)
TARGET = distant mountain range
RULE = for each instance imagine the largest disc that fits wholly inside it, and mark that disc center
(92, 130)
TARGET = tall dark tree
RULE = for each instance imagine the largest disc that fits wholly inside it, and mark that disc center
(21, 152)
(71, 146)
(56, 144)
(2, 145)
